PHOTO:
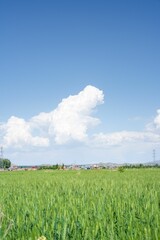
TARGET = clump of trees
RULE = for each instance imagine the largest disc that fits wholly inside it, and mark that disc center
(52, 167)
(5, 163)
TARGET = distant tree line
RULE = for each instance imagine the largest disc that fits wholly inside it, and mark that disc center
(5, 163)
(52, 167)
(141, 166)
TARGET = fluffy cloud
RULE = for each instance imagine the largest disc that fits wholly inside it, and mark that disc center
(18, 134)
(157, 120)
(154, 126)
(151, 135)
(120, 138)
(69, 121)
(72, 117)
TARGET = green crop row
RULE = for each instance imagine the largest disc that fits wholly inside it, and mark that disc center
(89, 205)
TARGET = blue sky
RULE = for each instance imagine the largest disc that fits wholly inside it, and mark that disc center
(50, 50)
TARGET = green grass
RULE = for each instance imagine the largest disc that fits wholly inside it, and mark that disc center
(95, 204)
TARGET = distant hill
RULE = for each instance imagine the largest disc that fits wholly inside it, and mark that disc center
(113, 165)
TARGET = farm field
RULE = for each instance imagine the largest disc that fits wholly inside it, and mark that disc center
(89, 205)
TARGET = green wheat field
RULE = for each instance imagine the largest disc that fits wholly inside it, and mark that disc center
(85, 204)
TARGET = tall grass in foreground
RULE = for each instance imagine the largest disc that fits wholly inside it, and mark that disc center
(80, 205)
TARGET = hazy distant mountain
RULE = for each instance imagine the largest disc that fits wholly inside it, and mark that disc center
(111, 165)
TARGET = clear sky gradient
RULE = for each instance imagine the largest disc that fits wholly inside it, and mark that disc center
(50, 50)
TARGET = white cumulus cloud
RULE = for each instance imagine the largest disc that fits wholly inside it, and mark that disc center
(69, 121)
(124, 137)
(72, 118)
(18, 133)
(157, 120)
(154, 126)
